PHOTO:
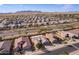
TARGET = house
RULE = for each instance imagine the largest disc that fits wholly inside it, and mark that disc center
(26, 45)
(5, 47)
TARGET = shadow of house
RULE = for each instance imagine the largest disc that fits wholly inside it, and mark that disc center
(57, 40)
(46, 43)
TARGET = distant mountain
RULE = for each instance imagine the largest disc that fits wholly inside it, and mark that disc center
(6, 13)
(28, 11)
(40, 12)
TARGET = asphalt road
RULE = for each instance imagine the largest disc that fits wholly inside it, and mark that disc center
(60, 51)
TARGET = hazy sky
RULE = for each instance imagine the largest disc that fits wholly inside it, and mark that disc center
(5, 8)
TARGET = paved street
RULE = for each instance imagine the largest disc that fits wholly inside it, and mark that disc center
(61, 51)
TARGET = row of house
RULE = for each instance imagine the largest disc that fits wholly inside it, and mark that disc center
(6, 46)
(33, 21)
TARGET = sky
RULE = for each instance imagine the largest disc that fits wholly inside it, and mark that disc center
(11, 8)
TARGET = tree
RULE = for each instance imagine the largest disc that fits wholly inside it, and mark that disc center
(0, 38)
(40, 45)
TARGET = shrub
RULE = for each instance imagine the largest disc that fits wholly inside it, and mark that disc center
(66, 53)
(39, 45)
(65, 42)
(0, 38)
(53, 45)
